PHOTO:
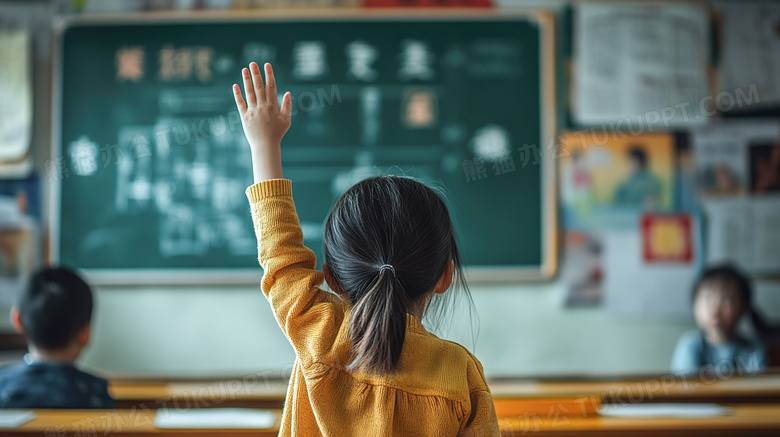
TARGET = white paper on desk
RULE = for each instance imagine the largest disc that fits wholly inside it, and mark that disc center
(214, 418)
(15, 95)
(751, 50)
(636, 62)
(15, 418)
(688, 411)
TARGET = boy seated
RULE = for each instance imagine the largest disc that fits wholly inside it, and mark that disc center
(54, 313)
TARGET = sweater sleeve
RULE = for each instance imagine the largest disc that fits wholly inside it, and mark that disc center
(482, 420)
(290, 282)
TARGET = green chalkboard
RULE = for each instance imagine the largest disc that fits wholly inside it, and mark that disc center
(150, 162)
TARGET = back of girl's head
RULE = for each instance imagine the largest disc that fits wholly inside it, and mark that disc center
(403, 225)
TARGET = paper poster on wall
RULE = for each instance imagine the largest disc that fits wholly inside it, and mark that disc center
(764, 164)
(635, 289)
(15, 96)
(583, 268)
(667, 238)
(641, 64)
(20, 210)
(738, 173)
(744, 231)
(685, 196)
(608, 183)
(751, 49)
(736, 158)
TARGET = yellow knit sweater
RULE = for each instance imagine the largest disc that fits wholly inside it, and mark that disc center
(438, 390)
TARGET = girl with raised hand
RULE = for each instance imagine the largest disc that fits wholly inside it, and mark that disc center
(365, 364)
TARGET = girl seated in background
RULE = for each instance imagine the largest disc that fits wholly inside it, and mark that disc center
(721, 296)
(365, 364)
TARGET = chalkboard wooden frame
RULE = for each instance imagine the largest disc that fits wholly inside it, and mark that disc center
(244, 276)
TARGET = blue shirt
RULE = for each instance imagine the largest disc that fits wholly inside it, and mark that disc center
(29, 384)
(737, 357)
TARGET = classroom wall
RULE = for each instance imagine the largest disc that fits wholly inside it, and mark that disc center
(524, 330)
(230, 331)
(219, 331)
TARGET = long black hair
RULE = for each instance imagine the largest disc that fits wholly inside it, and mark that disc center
(387, 242)
(729, 275)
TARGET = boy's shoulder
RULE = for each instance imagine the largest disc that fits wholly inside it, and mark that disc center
(51, 385)
(12, 371)
(26, 368)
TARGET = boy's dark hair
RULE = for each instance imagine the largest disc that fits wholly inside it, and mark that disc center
(395, 221)
(728, 275)
(638, 154)
(54, 307)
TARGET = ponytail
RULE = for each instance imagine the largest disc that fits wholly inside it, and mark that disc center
(377, 325)
(387, 242)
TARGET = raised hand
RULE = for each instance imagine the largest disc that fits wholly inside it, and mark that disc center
(265, 123)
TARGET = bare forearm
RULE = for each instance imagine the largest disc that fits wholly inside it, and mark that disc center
(267, 163)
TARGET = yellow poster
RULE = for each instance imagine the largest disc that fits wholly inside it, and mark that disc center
(614, 173)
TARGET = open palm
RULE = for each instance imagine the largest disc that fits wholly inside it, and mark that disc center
(265, 123)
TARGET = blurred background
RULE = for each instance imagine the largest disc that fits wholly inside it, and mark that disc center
(614, 149)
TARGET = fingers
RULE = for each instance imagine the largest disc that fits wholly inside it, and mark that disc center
(257, 78)
(270, 82)
(239, 99)
(249, 89)
(286, 104)
(256, 92)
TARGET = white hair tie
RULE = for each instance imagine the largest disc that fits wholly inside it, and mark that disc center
(387, 266)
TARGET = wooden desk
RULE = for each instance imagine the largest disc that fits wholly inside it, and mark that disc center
(270, 394)
(128, 423)
(746, 389)
(234, 393)
(748, 421)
